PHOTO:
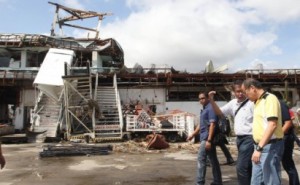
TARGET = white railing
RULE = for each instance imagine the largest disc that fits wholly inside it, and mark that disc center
(118, 101)
(95, 98)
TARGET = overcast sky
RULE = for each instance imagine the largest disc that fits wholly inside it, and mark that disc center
(184, 34)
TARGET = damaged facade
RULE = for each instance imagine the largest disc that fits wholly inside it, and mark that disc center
(80, 88)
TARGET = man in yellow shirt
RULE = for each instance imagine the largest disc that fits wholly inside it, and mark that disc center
(267, 134)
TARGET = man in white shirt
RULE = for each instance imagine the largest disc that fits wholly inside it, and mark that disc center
(242, 111)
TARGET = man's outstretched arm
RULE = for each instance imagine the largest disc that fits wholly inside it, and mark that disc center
(216, 108)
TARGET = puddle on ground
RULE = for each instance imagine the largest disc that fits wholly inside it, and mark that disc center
(181, 156)
(86, 165)
(120, 167)
(91, 164)
(119, 160)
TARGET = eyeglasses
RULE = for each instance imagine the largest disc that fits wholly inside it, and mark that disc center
(203, 98)
(239, 92)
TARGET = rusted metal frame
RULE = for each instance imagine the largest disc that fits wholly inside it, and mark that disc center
(68, 112)
(73, 13)
(94, 98)
(73, 88)
(44, 41)
(100, 18)
(75, 26)
(61, 30)
(77, 17)
(64, 7)
(7, 41)
(32, 41)
(79, 121)
(221, 77)
(66, 105)
(54, 21)
(74, 10)
(82, 119)
(71, 113)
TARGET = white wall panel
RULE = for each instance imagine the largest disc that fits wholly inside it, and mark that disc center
(28, 97)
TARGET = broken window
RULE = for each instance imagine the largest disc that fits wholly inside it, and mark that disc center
(83, 59)
(35, 59)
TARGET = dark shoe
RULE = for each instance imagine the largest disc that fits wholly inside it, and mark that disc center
(230, 163)
(208, 164)
(298, 142)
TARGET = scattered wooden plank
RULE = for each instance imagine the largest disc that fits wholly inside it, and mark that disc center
(74, 150)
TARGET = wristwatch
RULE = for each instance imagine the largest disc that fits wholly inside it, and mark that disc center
(258, 148)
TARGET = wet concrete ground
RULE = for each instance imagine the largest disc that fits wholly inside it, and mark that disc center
(25, 167)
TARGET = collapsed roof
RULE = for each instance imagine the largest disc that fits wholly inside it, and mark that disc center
(37, 42)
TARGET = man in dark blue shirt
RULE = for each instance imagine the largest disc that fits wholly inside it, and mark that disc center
(207, 129)
(287, 158)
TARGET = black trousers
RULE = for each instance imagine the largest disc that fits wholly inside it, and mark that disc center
(244, 163)
(287, 159)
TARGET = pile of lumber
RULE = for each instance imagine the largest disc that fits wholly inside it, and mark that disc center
(74, 150)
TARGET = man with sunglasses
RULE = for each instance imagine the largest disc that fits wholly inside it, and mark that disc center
(207, 130)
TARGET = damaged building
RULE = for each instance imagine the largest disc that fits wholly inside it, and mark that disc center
(68, 87)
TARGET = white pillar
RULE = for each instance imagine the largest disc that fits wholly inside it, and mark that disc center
(19, 114)
(97, 61)
(23, 59)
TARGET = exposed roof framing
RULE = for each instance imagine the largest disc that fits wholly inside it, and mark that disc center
(75, 14)
(268, 78)
(169, 80)
(108, 46)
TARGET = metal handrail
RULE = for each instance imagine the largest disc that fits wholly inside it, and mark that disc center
(118, 101)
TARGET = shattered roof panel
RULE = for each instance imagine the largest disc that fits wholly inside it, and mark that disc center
(105, 47)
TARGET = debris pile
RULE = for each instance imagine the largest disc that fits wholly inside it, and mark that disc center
(138, 147)
(153, 143)
(131, 147)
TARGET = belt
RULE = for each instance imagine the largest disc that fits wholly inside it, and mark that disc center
(242, 136)
(272, 141)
